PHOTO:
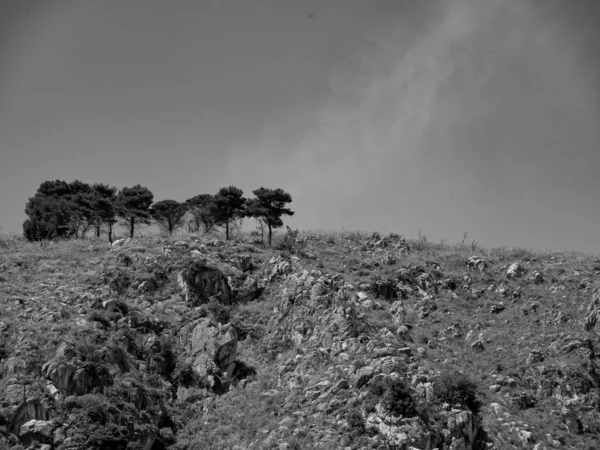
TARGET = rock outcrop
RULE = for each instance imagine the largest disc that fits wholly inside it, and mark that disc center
(200, 282)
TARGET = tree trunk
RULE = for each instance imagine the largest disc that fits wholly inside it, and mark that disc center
(227, 230)
(131, 226)
(270, 233)
(97, 230)
(110, 226)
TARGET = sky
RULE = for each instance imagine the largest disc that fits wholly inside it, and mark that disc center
(433, 116)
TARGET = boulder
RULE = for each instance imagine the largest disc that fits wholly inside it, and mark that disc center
(200, 282)
(426, 283)
(536, 277)
(120, 242)
(478, 346)
(398, 311)
(41, 431)
(476, 262)
(213, 348)
(68, 375)
(402, 246)
(535, 356)
(280, 268)
(515, 270)
(363, 375)
(497, 309)
(389, 260)
(60, 370)
(245, 291)
(243, 263)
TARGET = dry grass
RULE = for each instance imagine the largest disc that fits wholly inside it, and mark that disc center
(56, 278)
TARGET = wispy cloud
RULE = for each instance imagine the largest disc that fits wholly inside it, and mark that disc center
(443, 126)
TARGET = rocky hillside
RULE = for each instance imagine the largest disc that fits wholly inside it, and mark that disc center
(330, 341)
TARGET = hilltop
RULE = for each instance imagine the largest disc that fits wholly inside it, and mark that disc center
(322, 341)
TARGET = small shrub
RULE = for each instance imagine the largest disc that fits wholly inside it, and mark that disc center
(524, 401)
(184, 375)
(358, 363)
(289, 241)
(457, 388)
(393, 394)
(397, 399)
(218, 312)
(355, 420)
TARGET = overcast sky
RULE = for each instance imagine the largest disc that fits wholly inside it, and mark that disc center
(442, 116)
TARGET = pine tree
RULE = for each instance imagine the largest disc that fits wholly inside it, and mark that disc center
(269, 205)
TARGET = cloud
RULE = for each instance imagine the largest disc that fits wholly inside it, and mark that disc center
(440, 126)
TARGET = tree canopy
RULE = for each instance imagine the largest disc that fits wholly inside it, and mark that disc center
(48, 218)
(133, 206)
(269, 205)
(228, 205)
(103, 204)
(61, 209)
(168, 215)
(202, 209)
(58, 209)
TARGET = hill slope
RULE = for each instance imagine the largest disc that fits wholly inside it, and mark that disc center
(333, 341)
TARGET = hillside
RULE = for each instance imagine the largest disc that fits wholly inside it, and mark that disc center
(328, 341)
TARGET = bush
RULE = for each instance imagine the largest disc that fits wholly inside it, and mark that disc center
(393, 394)
(397, 399)
(524, 401)
(355, 420)
(288, 241)
(457, 388)
(217, 311)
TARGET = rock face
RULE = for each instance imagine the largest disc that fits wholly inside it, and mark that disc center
(403, 246)
(245, 289)
(593, 311)
(37, 430)
(516, 270)
(70, 376)
(536, 277)
(213, 351)
(21, 402)
(200, 282)
(280, 268)
(462, 430)
(475, 262)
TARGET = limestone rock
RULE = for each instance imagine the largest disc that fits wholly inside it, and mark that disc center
(536, 277)
(363, 375)
(478, 346)
(244, 263)
(280, 268)
(497, 309)
(41, 431)
(120, 242)
(403, 246)
(535, 356)
(213, 348)
(200, 282)
(476, 262)
(515, 270)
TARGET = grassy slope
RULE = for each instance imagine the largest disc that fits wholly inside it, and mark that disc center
(42, 293)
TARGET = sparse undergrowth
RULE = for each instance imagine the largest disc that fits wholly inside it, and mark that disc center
(325, 340)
